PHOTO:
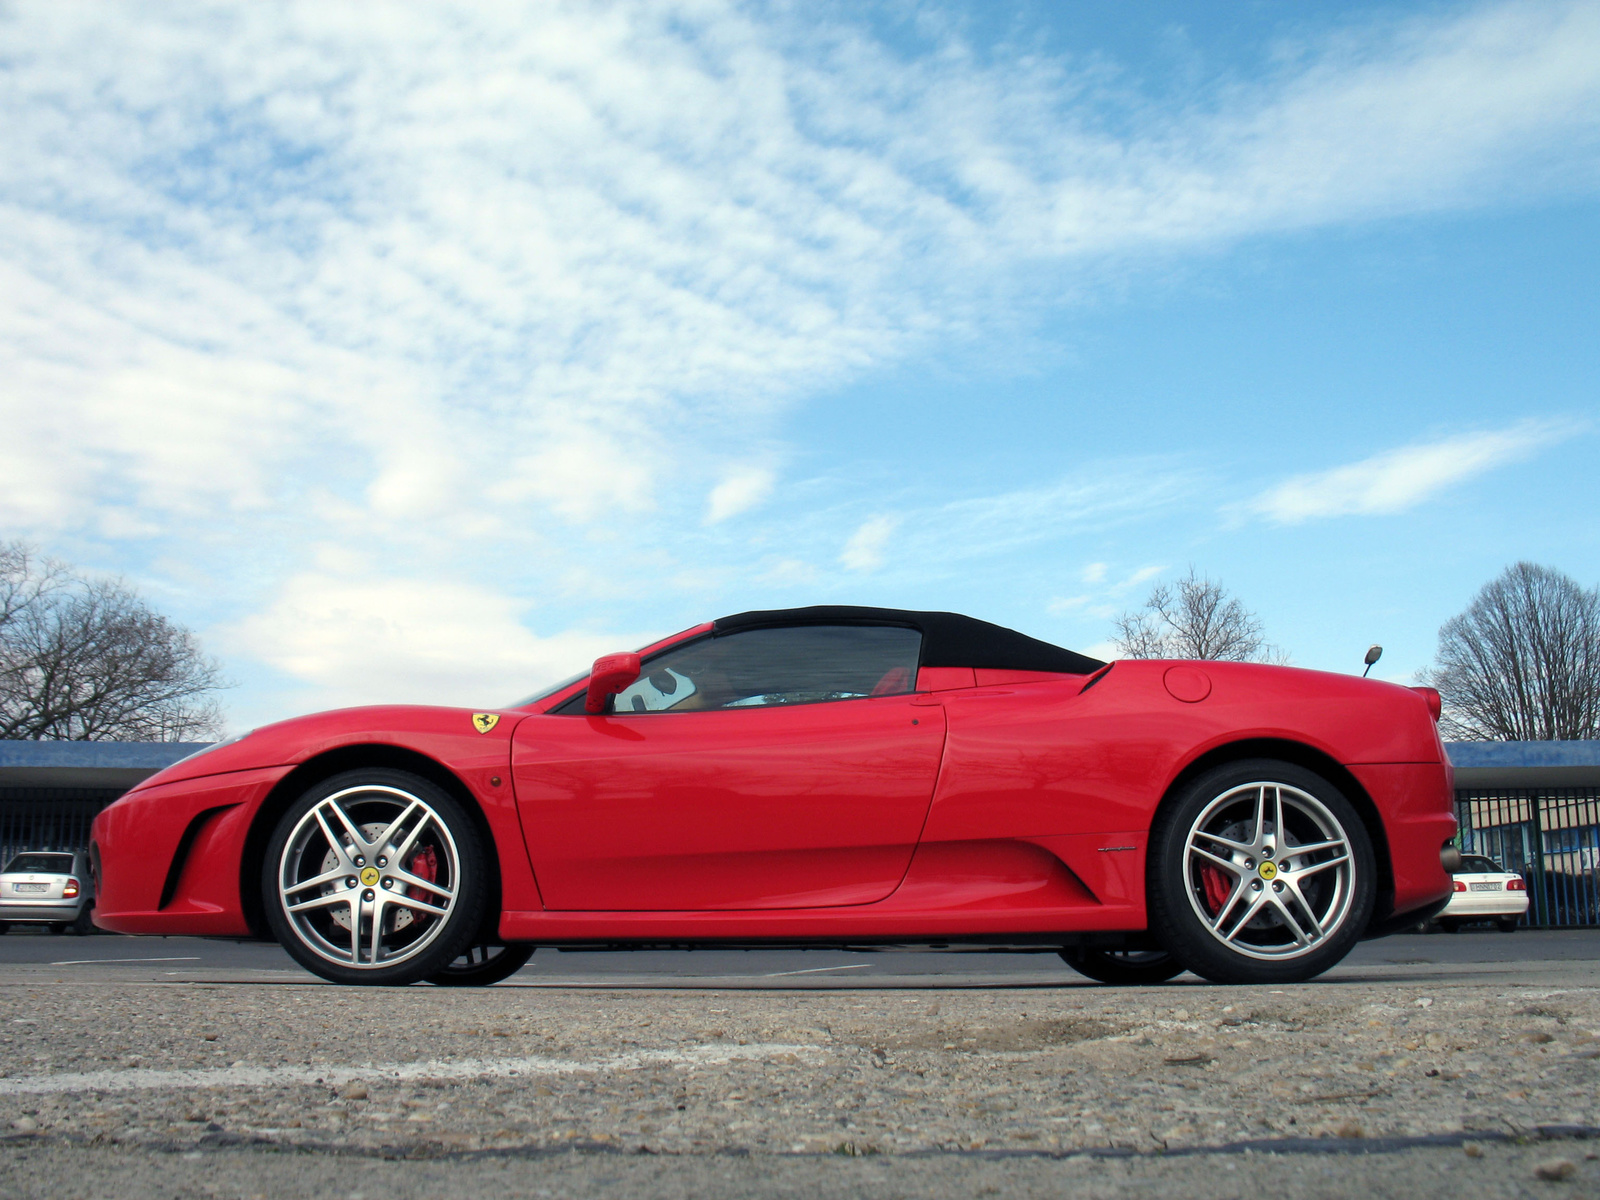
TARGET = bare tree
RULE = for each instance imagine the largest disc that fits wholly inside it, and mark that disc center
(1193, 618)
(1522, 663)
(87, 660)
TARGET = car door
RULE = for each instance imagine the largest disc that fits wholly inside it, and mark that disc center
(766, 768)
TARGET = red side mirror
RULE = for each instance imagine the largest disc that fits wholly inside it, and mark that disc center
(611, 673)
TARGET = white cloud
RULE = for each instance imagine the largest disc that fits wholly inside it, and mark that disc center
(944, 538)
(741, 491)
(1100, 496)
(1087, 604)
(497, 292)
(380, 639)
(1396, 480)
(790, 572)
(1142, 575)
(580, 470)
(561, 244)
(865, 549)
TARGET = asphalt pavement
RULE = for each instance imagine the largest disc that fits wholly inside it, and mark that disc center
(1486, 955)
(1462, 1064)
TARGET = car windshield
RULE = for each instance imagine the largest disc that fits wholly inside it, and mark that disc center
(550, 691)
(1473, 865)
(40, 864)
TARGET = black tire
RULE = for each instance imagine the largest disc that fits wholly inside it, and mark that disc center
(428, 906)
(482, 964)
(57, 928)
(5, 927)
(1215, 849)
(1450, 925)
(1508, 924)
(85, 925)
(1123, 967)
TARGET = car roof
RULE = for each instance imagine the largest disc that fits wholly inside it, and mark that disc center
(948, 639)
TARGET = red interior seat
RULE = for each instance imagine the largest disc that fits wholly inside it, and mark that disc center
(896, 679)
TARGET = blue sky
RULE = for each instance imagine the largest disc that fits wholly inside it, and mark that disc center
(426, 352)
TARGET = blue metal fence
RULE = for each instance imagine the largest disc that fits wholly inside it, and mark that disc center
(1551, 836)
(44, 818)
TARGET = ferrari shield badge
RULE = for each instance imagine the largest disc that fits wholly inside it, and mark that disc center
(483, 722)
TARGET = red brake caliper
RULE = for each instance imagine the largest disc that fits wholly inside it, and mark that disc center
(424, 864)
(1218, 889)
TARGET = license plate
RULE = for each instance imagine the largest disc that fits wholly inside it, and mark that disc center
(31, 887)
(1484, 887)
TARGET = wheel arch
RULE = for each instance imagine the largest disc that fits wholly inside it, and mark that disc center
(335, 762)
(1319, 763)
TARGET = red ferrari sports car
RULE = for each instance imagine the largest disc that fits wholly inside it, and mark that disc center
(814, 776)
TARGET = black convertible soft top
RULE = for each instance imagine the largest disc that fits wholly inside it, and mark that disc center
(948, 639)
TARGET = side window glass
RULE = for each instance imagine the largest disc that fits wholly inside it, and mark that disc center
(660, 689)
(759, 668)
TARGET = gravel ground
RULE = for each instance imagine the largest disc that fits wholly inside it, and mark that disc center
(1496, 1171)
(179, 1090)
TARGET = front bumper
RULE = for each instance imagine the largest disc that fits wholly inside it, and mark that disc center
(169, 855)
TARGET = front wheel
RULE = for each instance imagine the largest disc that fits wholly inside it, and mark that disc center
(483, 964)
(1259, 872)
(1127, 967)
(375, 876)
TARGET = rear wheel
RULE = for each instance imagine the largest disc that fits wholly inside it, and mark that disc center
(1508, 924)
(1122, 966)
(375, 876)
(1449, 924)
(483, 964)
(1259, 872)
(84, 925)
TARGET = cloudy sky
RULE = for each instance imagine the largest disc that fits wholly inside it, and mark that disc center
(424, 352)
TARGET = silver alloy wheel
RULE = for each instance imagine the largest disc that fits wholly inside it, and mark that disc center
(1269, 871)
(368, 876)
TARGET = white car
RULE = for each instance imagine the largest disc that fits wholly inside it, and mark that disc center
(47, 887)
(1485, 891)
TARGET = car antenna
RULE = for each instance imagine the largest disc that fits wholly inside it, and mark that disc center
(1374, 653)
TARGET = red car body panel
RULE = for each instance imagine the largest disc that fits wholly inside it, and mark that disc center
(803, 806)
(138, 838)
(990, 804)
